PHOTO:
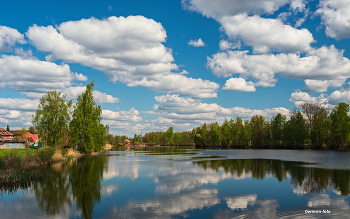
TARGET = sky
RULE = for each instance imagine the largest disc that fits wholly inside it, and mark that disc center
(160, 63)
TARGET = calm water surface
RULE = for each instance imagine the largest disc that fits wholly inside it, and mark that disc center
(187, 183)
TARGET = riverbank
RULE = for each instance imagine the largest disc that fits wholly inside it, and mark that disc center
(18, 166)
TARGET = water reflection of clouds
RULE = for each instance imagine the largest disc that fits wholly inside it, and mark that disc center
(26, 207)
(167, 206)
(319, 200)
(338, 206)
(107, 190)
(178, 180)
(263, 209)
(240, 202)
(128, 168)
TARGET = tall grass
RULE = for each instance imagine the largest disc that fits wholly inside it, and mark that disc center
(18, 166)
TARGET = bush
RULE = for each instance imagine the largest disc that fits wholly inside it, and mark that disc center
(12, 160)
(16, 160)
(44, 156)
(65, 152)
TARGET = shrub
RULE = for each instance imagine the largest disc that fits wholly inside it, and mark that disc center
(44, 156)
(65, 152)
(12, 160)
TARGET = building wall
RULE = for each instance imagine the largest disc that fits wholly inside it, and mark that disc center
(14, 145)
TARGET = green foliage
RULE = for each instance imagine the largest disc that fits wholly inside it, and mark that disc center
(21, 132)
(85, 177)
(225, 133)
(8, 127)
(88, 134)
(135, 139)
(340, 124)
(21, 159)
(52, 117)
(110, 139)
(319, 133)
(257, 133)
(300, 129)
(32, 130)
(65, 152)
(214, 134)
(169, 136)
(44, 156)
(277, 125)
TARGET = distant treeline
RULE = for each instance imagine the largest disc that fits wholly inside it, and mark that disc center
(168, 138)
(313, 126)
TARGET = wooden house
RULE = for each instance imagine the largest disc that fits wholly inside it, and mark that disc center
(6, 135)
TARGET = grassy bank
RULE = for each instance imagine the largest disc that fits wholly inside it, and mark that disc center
(24, 165)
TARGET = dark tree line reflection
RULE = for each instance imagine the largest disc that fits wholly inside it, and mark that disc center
(309, 179)
(76, 181)
(79, 181)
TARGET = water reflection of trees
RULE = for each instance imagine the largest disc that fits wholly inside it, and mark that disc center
(309, 179)
(54, 194)
(166, 150)
(78, 181)
(85, 177)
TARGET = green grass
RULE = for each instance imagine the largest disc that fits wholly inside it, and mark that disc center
(20, 152)
(19, 166)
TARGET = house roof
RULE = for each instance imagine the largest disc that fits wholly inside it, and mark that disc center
(4, 132)
(32, 138)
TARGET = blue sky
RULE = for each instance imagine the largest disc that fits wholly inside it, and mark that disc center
(174, 63)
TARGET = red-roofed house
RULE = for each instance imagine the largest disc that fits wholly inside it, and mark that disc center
(33, 138)
(6, 134)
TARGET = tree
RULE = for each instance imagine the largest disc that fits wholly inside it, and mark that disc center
(8, 128)
(110, 139)
(21, 132)
(32, 130)
(214, 134)
(87, 132)
(277, 124)
(257, 125)
(52, 117)
(299, 129)
(169, 135)
(340, 123)
(314, 111)
(319, 133)
(225, 133)
(135, 139)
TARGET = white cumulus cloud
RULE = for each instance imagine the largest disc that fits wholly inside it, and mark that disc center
(225, 45)
(132, 115)
(266, 34)
(18, 104)
(322, 85)
(127, 49)
(335, 16)
(196, 43)
(220, 8)
(325, 63)
(32, 75)
(239, 84)
(9, 37)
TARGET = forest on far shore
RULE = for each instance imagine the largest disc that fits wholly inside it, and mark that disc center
(313, 126)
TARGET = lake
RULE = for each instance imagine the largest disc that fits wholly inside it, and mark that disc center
(170, 182)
